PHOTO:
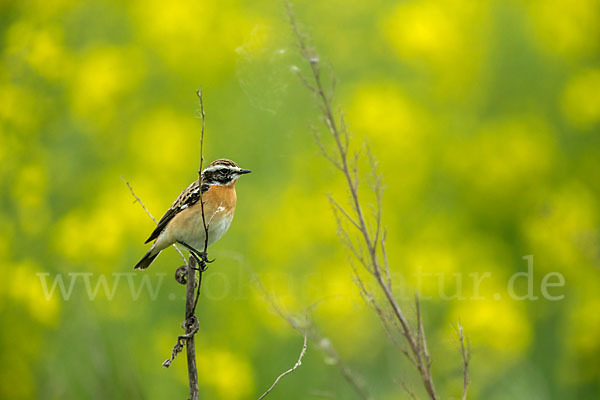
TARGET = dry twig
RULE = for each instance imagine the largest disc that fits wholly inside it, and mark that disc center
(465, 351)
(191, 327)
(203, 116)
(191, 300)
(137, 199)
(289, 371)
(323, 343)
(368, 245)
(191, 324)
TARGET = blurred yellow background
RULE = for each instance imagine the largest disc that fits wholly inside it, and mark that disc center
(484, 116)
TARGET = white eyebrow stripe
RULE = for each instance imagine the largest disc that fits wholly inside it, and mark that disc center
(219, 167)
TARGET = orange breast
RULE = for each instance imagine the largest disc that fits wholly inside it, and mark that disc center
(219, 196)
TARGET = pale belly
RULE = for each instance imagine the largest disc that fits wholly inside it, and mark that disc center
(217, 227)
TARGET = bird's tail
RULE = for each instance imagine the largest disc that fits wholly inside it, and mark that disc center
(147, 259)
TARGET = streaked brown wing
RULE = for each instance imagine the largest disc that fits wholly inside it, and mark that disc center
(187, 198)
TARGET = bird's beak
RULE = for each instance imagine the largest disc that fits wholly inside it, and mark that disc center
(244, 171)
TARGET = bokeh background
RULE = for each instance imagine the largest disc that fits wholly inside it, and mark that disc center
(484, 116)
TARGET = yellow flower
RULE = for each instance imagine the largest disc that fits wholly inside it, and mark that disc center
(581, 99)
(101, 77)
(446, 37)
(230, 375)
(25, 287)
(500, 325)
(568, 28)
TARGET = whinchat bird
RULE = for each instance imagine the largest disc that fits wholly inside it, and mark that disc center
(183, 222)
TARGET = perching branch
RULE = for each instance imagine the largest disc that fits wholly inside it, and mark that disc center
(203, 116)
(191, 300)
(191, 325)
(187, 275)
(289, 371)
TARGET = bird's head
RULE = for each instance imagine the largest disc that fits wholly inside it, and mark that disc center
(222, 172)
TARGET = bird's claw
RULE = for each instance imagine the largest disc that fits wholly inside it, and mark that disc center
(201, 260)
(204, 257)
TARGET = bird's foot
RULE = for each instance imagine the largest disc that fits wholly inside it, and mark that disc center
(200, 256)
(204, 257)
(202, 261)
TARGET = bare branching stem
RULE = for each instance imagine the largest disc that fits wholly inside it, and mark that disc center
(289, 371)
(407, 390)
(465, 351)
(323, 343)
(369, 240)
